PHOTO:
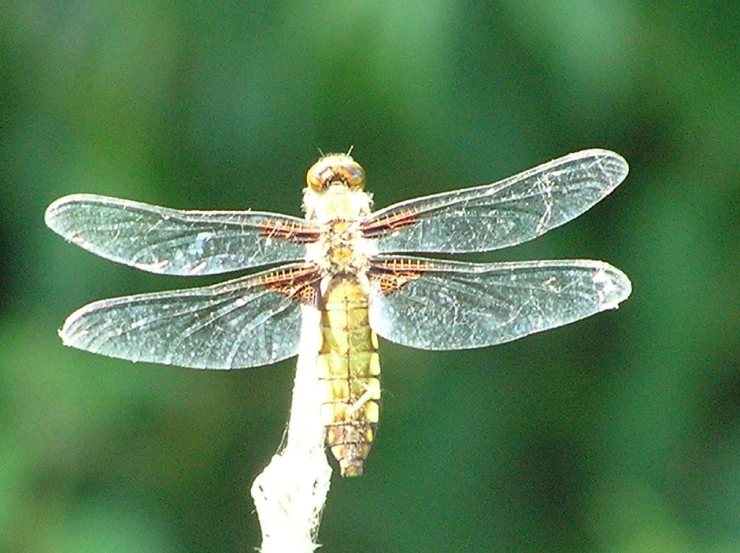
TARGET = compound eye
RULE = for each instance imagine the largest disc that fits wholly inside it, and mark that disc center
(314, 177)
(355, 175)
(335, 169)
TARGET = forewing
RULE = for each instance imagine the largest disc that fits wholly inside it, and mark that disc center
(170, 241)
(245, 322)
(439, 305)
(501, 214)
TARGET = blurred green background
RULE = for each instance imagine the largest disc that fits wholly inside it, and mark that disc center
(620, 433)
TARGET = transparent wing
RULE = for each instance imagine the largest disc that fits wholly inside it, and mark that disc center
(170, 241)
(501, 214)
(245, 322)
(439, 305)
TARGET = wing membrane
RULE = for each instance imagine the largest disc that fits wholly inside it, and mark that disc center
(450, 305)
(170, 241)
(501, 214)
(245, 322)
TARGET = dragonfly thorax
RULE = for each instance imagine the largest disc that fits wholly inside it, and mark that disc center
(341, 248)
(336, 202)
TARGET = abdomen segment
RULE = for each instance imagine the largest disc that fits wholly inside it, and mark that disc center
(349, 370)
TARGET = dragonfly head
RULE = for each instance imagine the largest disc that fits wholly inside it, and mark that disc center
(334, 169)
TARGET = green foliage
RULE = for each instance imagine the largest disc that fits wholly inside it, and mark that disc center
(620, 433)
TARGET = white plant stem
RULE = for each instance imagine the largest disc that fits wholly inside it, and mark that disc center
(291, 492)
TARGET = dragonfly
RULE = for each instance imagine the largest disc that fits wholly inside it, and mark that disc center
(358, 268)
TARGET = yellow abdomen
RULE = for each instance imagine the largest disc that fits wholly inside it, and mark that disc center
(349, 370)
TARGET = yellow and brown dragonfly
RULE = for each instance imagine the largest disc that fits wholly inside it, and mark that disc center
(353, 267)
